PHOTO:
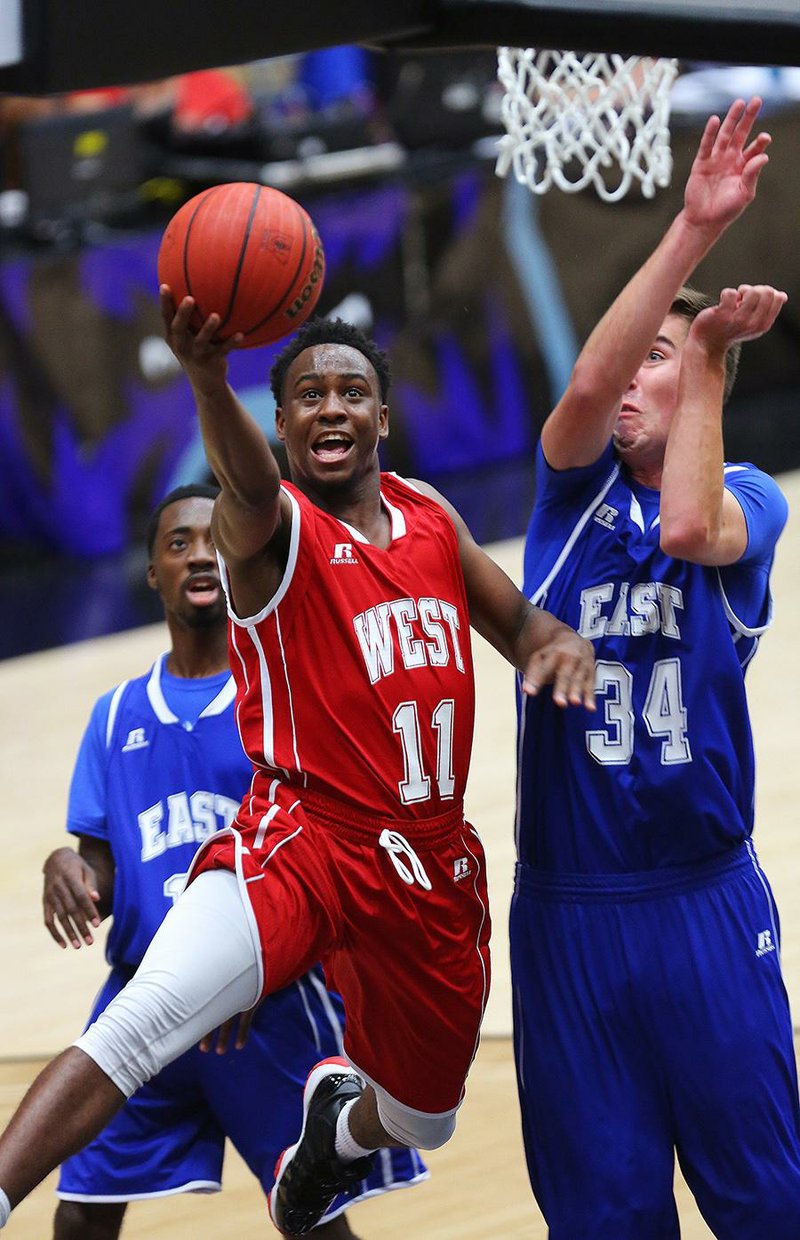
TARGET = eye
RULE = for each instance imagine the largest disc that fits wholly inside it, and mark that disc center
(655, 355)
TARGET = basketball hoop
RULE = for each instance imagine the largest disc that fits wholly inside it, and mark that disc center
(570, 116)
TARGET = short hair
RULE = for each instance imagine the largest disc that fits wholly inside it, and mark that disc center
(330, 331)
(687, 305)
(191, 490)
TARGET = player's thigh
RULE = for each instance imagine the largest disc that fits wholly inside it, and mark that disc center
(595, 1112)
(415, 970)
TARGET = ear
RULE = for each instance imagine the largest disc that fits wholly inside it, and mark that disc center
(383, 422)
(280, 423)
(152, 580)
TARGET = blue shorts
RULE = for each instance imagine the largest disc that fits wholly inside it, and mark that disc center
(651, 1016)
(170, 1136)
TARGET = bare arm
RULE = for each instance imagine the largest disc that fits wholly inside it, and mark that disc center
(248, 512)
(78, 890)
(721, 183)
(700, 520)
(534, 641)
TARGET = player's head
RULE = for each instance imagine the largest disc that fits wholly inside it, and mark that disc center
(649, 405)
(183, 564)
(330, 331)
(687, 305)
(330, 384)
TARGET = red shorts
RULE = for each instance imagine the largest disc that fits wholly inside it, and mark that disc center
(398, 914)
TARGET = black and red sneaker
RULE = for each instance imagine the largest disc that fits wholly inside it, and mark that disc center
(310, 1175)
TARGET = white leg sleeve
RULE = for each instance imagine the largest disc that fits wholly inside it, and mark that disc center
(424, 1129)
(200, 969)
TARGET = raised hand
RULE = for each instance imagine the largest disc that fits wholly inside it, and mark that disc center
(199, 353)
(743, 313)
(726, 168)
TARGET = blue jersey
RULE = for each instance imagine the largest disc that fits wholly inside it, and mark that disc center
(155, 784)
(663, 773)
(161, 767)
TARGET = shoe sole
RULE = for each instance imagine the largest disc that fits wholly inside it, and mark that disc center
(326, 1067)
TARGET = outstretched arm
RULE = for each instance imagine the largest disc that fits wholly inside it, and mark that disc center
(721, 184)
(248, 512)
(700, 520)
(532, 640)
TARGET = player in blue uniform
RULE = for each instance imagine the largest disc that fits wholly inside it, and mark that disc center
(650, 1015)
(161, 767)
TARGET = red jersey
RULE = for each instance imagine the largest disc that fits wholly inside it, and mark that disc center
(356, 680)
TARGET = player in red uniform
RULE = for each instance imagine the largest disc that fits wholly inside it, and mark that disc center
(350, 597)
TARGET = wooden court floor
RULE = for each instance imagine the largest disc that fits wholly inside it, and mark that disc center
(478, 1187)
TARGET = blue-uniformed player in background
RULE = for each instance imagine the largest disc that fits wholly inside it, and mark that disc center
(160, 768)
(650, 1012)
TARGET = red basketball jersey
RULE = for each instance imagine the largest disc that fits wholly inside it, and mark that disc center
(355, 681)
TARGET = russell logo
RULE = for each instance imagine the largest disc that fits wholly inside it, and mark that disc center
(136, 740)
(343, 554)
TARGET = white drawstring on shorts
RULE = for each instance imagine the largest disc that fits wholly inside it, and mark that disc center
(397, 845)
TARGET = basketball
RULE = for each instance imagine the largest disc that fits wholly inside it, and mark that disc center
(248, 253)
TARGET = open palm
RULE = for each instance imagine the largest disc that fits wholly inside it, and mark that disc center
(726, 168)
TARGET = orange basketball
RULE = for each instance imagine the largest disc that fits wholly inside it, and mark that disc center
(247, 252)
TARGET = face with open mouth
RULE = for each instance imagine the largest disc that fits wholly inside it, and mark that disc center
(184, 564)
(332, 418)
(648, 407)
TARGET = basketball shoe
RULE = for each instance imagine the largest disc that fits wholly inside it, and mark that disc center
(310, 1175)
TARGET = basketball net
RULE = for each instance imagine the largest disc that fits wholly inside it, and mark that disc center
(570, 117)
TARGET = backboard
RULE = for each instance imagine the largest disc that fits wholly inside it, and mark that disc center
(76, 46)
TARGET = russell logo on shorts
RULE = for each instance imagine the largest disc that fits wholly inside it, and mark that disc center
(461, 869)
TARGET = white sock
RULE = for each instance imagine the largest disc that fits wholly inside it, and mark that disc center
(346, 1148)
(5, 1208)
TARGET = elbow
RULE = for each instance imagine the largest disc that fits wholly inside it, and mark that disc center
(687, 540)
(587, 384)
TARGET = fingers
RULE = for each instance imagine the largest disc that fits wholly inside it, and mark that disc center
(75, 918)
(567, 664)
(752, 171)
(709, 137)
(200, 343)
(730, 135)
(738, 123)
(243, 1032)
(752, 309)
(220, 1039)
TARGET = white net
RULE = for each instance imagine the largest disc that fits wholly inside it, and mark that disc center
(571, 117)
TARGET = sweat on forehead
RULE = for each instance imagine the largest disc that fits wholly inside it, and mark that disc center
(331, 360)
(319, 331)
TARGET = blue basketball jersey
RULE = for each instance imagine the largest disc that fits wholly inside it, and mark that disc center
(160, 768)
(663, 773)
(155, 785)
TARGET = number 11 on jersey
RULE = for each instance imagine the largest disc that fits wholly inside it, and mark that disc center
(416, 786)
